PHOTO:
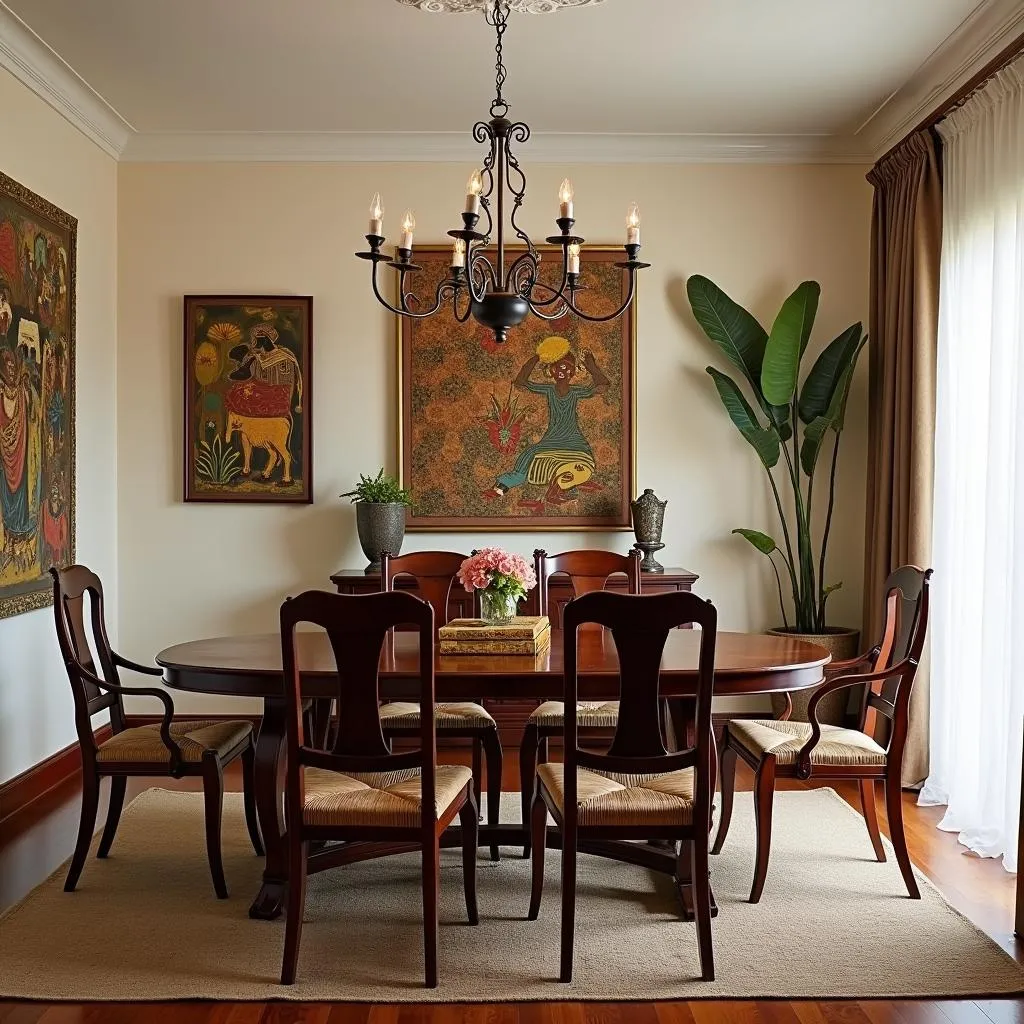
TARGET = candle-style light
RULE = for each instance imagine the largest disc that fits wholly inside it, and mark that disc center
(376, 215)
(574, 258)
(408, 227)
(633, 225)
(474, 187)
(565, 195)
(459, 253)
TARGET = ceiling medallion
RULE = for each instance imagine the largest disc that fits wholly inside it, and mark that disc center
(498, 292)
(520, 6)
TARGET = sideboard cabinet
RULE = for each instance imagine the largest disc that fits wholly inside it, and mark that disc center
(511, 716)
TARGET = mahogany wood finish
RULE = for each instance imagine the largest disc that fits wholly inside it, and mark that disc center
(436, 575)
(512, 714)
(887, 687)
(98, 688)
(251, 666)
(639, 627)
(586, 571)
(356, 628)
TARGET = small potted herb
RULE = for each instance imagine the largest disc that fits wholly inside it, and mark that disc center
(380, 515)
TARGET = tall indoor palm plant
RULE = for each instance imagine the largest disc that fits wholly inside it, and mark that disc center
(788, 426)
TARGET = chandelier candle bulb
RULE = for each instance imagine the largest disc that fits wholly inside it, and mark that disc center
(408, 227)
(473, 189)
(633, 225)
(376, 215)
(565, 197)
(459, 253)
(574, 256)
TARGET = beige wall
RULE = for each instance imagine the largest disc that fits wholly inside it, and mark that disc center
(44, 153)
(189, 571)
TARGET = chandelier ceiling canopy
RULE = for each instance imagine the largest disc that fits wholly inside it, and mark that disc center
(484, 282)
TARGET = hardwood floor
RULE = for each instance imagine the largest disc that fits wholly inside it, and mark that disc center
(36, 841)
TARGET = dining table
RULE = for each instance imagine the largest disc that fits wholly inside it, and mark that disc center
(250, 666)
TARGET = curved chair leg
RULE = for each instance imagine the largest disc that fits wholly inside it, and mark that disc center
(468, 817)
(538, 840)
(728, 791)
(295, 910)
(867, 803)
(86, 825)
(764, 794)
(894, 812)
(118, 784)
(213, 796)
(568, 900)
(478, 770)
(252, 820)
(699, 873)
(527, 774)
(492, 751)
(431, 898)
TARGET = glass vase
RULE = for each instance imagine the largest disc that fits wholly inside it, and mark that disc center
(497, 608)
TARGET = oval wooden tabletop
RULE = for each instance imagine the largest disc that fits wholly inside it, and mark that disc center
(251, 666)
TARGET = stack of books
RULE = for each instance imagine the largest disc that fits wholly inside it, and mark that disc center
(525, 634)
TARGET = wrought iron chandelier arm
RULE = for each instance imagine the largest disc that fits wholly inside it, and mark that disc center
(570, 302)
(556, 293)
(403, 296)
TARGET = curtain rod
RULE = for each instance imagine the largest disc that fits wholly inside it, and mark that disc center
(1003, 59)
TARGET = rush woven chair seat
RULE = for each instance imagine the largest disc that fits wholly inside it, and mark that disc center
(588, 571)
(172, 747)
(360, 797)
(636, 790)
(810, 750)
(436, 572)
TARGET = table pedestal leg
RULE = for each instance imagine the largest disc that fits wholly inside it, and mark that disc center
(269, 743)
(684, 883)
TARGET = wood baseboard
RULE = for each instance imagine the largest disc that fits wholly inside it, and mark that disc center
(31, 784)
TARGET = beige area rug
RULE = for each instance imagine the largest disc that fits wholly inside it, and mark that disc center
(833, 922)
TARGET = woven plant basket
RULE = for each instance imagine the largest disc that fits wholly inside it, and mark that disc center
(842, 644)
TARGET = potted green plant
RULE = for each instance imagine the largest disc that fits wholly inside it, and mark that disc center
(380, 515)
(790, 425)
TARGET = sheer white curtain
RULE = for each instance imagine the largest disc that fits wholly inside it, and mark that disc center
(977, 624)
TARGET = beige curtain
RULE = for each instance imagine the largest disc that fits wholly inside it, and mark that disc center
(906, 235)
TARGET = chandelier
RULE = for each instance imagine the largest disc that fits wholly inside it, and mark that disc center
(485, 282)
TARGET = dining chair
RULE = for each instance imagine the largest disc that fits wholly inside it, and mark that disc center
(588, 571)
(436, 572)
(637, 789)
(358, 792)
(786, 749)
(173, 748)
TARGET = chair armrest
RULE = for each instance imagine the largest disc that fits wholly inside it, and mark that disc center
(803, 758)
(134, 666)
(844, 667)
(143, 691)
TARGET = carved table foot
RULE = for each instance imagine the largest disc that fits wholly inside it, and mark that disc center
(270, 902)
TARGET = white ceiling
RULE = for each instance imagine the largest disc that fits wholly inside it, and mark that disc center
(660, 67)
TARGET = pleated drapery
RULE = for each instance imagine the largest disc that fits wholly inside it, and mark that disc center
(977, 707)
(906, 236)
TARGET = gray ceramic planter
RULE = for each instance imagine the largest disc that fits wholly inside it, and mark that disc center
(381, 527)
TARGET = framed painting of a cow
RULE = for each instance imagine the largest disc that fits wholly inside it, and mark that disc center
(248, 398)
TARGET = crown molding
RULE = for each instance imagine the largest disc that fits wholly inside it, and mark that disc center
(39, 68)
(430, 147)
(990, 28)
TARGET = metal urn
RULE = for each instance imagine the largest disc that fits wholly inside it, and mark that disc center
(381, 527)
(648, 517)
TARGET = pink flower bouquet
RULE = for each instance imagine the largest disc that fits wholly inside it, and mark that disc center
(497, 571)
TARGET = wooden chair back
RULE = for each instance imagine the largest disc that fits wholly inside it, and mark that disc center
(435, 572)
(84, 645)
(640, 627)
(588, 571)
(903, 637)
(357, 627)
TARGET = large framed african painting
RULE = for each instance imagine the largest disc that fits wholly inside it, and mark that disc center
(533, 434)
(248, 398)
(37, 405)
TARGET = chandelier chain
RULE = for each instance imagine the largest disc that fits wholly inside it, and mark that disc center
(499, 19)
